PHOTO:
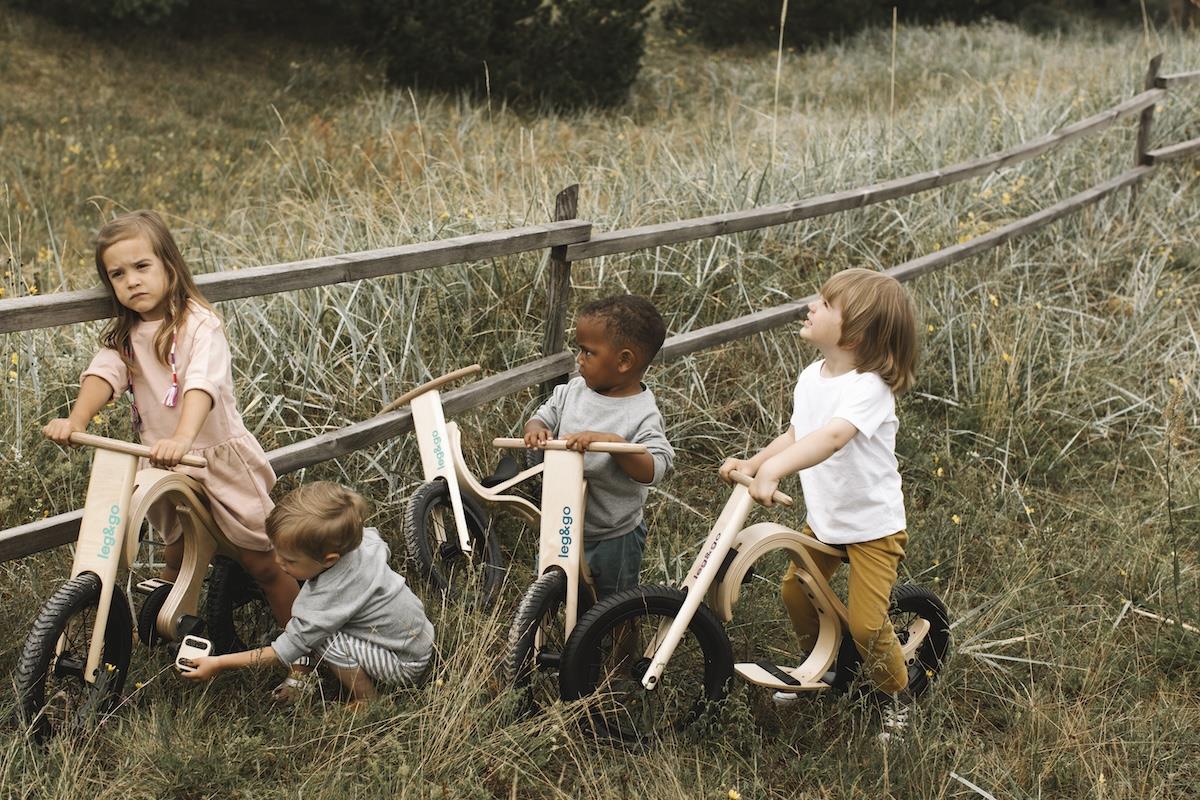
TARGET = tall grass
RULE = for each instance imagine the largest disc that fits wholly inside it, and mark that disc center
(1049, 449)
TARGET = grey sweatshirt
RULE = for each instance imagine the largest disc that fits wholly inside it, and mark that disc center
(362, 597)
(614, 500)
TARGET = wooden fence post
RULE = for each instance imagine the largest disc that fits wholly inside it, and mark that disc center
(558, 289)
(1145, 122)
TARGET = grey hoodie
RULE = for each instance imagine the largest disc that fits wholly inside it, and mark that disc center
(362, 597)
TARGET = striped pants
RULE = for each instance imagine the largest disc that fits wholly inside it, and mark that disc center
(383, 665)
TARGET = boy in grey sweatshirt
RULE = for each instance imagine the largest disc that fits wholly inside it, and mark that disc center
(353, 613)
(617, 338)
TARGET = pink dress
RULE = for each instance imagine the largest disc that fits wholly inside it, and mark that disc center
(238, 478)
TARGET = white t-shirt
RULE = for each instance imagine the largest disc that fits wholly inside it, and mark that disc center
(854, 495)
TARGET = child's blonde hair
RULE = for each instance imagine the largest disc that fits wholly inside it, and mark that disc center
(879, 321)
(180, 286)
(318, 519)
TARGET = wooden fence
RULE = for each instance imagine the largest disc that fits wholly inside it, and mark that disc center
(571, 240)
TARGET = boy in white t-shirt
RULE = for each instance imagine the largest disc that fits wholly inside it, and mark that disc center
(842, 441)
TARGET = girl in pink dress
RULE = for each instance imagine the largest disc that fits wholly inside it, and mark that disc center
(167, 347)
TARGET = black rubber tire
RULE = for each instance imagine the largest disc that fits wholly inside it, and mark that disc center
(147, 618)
(908, 601)
(583, 662)
(442, 566)
(71, 603)
(237, 614)
(526, 670)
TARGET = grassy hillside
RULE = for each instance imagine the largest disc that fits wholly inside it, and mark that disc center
(1049, 449)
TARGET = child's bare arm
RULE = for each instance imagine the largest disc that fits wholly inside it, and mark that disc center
(94, 392)
(196, 407)
(807, 452)
(639, 466)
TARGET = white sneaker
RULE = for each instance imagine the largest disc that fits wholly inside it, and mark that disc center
(787, 698)
(895, 720)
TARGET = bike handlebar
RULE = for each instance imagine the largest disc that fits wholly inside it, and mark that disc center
(429, 386)
(560, 444)
(746, 480)
(128, 448)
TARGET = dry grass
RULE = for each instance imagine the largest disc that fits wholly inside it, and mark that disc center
(1057, 400)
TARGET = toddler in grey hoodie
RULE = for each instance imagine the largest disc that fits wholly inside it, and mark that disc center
(354, 614)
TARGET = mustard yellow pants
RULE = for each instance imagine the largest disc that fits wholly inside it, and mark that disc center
(873, 568)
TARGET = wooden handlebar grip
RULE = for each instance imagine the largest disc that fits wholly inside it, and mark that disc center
(128, 448)
(559, 444)
(429, 386)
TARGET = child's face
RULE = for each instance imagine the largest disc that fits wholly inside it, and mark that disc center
(824, 324)
(138, 277)
(602, 365)
(302, 566)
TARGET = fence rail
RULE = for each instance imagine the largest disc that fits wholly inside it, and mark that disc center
(62, 308)
(1176, 79)
(571, 240)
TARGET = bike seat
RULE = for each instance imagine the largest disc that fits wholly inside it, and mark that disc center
(506, 470)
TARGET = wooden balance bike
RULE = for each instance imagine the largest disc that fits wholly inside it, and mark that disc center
(448, 530)
(76, 657)
(562, 587)
(638, 698)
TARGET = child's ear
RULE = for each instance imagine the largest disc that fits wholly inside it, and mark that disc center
(330, 559)
(626, 360)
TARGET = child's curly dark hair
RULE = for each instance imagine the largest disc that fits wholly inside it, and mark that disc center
(631, 321)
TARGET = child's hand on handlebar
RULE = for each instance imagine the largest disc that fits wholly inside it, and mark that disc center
(536, 435)
(59, 430)
(582, 440)
(742, 465)
(167, 453)
(762, 490)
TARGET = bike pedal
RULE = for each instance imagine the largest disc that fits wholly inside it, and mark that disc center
(149, 585)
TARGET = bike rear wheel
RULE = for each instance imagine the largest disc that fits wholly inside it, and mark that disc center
(471, 578)
(910, 604)
(52, 693)
(606, 657)
(237, 614)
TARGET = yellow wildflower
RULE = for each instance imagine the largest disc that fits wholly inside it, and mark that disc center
(15, 359)
(995, 301)
(940, 472)
(734, 794)
(956, 519)
(1005, 198)
(930, 328)
(1006, 357)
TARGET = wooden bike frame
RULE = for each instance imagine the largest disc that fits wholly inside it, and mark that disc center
(564, 500)
(118, 499)
(717, 577)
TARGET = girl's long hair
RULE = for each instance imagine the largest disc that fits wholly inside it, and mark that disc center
(180, 286)
(879, 321)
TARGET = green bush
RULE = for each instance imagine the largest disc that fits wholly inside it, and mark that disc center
(561, 53)
(721, 23)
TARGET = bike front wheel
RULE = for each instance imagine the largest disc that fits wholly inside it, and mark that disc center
(432, 542)
(608, 654)
(536, 640)
(52, 694)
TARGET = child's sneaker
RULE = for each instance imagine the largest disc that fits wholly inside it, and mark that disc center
(895, 720)
(787, 698)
